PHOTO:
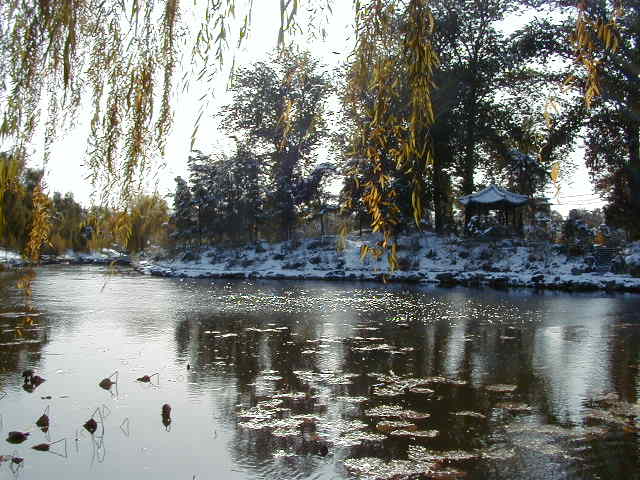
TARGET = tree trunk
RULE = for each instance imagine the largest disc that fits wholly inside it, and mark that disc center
(632, 134)
(468, 168)
(440, 183)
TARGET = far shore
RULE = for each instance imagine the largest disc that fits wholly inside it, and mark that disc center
(423, 258)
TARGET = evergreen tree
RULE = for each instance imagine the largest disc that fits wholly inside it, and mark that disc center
(183, 213)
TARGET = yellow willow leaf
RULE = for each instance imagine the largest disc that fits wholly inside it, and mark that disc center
(555, 172)
(363, 252)
(616, 43)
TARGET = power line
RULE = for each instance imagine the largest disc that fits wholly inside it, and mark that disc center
(581, 195)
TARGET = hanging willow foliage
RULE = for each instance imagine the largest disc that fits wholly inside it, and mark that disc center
(388, 139)
(120, 58)
(592, 38)
(10, 170)
(40, 224)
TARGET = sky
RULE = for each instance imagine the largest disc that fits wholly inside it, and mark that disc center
(66, 173)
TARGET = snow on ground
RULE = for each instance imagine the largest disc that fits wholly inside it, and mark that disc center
(425, 258)
(8, 257)
(106, 255)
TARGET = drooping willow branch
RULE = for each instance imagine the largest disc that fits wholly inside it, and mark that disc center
(391, 137)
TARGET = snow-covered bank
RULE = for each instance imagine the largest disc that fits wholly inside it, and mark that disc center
(423, 258)
(104, 256)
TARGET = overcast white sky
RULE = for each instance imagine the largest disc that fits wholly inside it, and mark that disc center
(66, 174)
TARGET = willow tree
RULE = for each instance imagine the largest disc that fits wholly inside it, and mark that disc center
(120, 58)
(386, 139)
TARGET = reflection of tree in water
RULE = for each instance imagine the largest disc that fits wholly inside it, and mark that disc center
(470, 343)
(22, 333)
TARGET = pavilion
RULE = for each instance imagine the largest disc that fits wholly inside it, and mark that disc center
(495, 198)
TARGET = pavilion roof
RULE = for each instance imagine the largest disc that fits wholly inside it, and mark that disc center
(494, 195)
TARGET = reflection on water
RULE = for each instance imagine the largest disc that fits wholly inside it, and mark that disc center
(314, 380)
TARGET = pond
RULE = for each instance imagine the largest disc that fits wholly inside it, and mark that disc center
(315, 380)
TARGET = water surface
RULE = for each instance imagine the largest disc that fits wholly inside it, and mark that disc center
(316, 380)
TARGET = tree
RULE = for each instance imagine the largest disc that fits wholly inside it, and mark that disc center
(183, 216)
(67, 222)
(278, 107)
(149, 215)
(613, 130)
(111, 55)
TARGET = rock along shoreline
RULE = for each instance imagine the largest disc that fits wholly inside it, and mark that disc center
(423, 259)
(428, 259)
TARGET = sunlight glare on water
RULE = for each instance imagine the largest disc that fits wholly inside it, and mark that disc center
(316, 380)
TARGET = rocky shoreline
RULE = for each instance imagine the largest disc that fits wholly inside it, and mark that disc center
(505, 266)
(424, 259)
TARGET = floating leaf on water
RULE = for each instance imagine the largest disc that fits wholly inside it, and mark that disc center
(17, 437)
(373, 348)
(385, 411)
(285, 432)
(256, 413)
(388, 391)
(501, 388)
(292, 396)
(305, 418)
(457, 383)
(435, 380)
(413, 415)
(419, 453)
(514, 407)
(375, 468)
(421, 391)
(342, 426)
(284, 454)
(599, 416)
(261, 330)
(340, 379)
(545, 430)
(91, 426)
(415, 434)
(468, 413)
(43, 421)
(625, 409)
(395, 411)
(253, 425)
(542, 446)
(391, 425)
(592, 433)
(353, 439)
(147, 378)
(107, 383)
(498, 454)
(353, 399)
(447, 473)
